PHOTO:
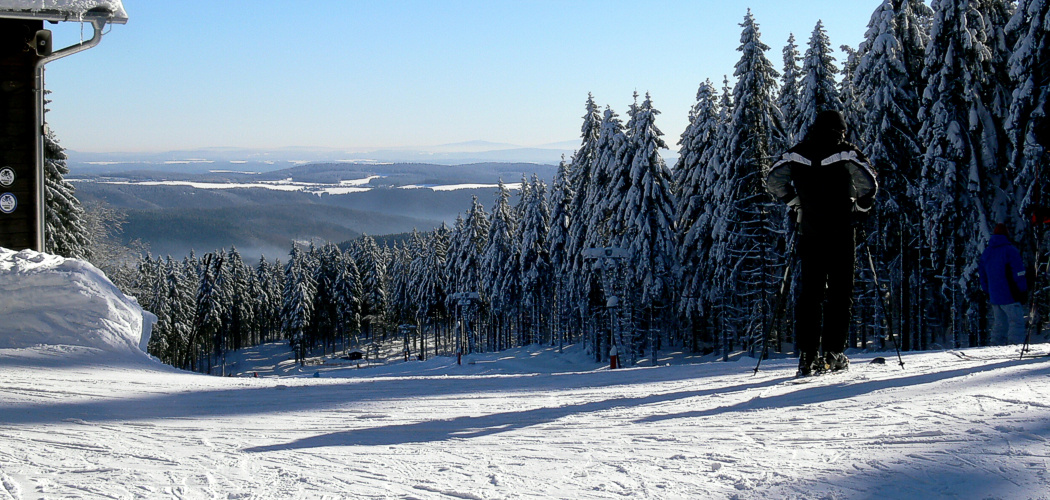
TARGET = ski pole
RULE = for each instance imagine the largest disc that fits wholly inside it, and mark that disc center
(1027, 339)
(780, 304)
(884, 298)
(1033, 311)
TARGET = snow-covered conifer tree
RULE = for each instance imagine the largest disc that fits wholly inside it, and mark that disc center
(239, 311)
(348, 298)
(253, 300)
(594, 230)
(498, 264)
(297, 309)
(1027, 123)
(614, 171)
(64, 232)
(149, 290)
(960, 193)
(207, 323)
(372, 265)
(399, 281)
(325, 306)
(788, 102)
(465, 248)
(557, 242)
(852, 106)
(696, 179)
(819, 88)
(431, 287)
(749, 244)
(647, 218)
(608, 184)
(534, 262)
(268, 307)
(888, 82)
(180, 288)
(584, 162)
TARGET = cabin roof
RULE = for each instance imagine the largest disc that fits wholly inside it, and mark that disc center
(112, 11)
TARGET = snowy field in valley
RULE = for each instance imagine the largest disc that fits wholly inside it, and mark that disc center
(102, 420)
(342, 187)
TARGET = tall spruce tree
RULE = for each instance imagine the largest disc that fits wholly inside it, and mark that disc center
(466, 245)
(498, 263)
(180, 288)
(297, 307)
(608, 185)
(240, 313)
(208, 324)
(751, 246)
(372, 264)
(819, 87)
(65, 232)
(852, 105)
(647, 217)
(561, 200)
(584, 162)
(534, 263)
(788, 102)
(888, 82)
(959, 192)
(696, 179)
(431, 287)
(348, 298)
(1027, 122)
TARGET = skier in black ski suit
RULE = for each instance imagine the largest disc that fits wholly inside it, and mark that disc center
(831, 186)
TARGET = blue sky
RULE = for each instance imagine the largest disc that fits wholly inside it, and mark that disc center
(360, 74)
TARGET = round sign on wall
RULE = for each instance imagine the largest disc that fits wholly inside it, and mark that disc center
(7, 176)
(8, 203)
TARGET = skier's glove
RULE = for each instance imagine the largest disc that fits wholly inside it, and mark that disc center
(795, 210)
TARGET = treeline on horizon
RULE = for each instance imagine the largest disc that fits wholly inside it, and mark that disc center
(947, 100)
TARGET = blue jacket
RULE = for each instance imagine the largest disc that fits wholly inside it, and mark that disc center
(1001, 264)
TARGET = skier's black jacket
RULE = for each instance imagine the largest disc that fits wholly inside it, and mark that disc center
(829, 182)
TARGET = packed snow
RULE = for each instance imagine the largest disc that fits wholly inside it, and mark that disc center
(50, 300)
(84, 414)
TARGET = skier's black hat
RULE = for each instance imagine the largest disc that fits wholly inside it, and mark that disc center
(829, 120)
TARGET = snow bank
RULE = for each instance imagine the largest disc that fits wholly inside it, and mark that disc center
(78, 7)
(51, 300)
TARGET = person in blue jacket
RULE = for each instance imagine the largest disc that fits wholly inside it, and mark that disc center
(1002, 275)
(831, 184)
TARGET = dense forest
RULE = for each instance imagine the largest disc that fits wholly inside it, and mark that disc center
(948, 101)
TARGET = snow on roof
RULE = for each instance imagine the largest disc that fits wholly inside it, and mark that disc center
(64, 10)
(50, 300)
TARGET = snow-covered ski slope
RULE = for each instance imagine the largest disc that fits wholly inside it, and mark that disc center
(78, 422)
(102, 421)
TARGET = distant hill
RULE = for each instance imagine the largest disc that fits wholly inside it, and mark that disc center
(203, 160)
(406, 174)
(174, 219)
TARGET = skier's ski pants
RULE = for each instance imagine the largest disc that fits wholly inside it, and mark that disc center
(825, 302)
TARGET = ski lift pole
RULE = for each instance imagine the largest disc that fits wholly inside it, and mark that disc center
(780, 304)
(883, 299)
(602, 256)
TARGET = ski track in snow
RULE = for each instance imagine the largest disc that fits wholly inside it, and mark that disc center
(87, 424)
